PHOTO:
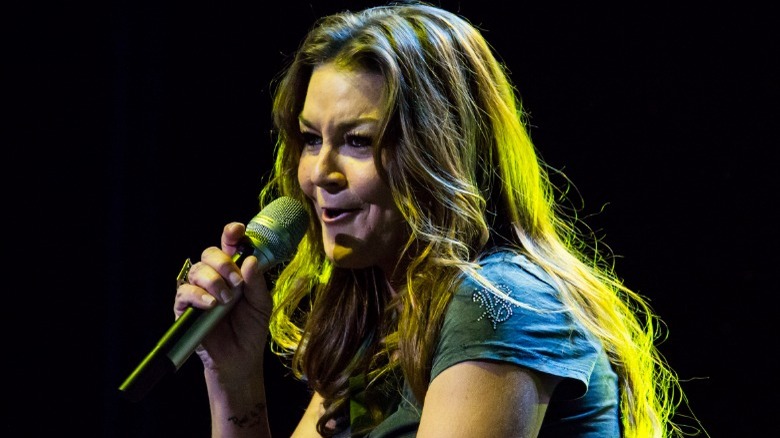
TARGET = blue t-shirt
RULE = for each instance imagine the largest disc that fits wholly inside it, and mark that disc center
(482, 325)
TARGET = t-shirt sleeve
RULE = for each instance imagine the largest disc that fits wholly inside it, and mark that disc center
(529, 326)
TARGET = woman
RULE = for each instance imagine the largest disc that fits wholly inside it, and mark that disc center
(438, 290)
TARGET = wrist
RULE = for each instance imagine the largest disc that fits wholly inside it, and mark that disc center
(238, 408)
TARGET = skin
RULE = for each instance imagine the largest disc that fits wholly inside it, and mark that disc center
(340, 121)
(340, 118)
(232, 353)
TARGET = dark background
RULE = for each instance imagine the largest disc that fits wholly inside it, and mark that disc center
(138, 129)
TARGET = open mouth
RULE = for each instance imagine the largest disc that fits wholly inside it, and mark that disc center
(333, 213)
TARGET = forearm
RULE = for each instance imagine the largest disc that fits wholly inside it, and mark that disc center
(237, 409)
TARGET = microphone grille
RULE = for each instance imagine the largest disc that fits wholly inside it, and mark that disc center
(279, 227)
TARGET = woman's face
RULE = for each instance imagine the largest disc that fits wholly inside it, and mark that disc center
(340, 122)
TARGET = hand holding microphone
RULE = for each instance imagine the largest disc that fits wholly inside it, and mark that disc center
(272, 237)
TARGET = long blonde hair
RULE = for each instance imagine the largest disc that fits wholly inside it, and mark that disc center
(466, 176)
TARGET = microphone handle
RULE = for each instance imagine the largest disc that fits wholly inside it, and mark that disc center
(182, 338)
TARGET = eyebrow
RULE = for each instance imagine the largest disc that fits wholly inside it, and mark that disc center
(344, 125)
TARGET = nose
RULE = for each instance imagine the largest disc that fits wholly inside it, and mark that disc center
(326, 171)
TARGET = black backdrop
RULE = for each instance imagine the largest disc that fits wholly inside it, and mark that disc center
(130, 116)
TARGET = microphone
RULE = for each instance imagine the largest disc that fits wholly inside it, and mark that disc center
(272, 236)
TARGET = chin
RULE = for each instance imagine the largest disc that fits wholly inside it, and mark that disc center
(349, 262)
(347, 258)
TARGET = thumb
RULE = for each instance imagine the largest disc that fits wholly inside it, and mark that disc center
(256, 288)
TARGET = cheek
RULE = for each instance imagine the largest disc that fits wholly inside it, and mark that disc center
(304, 172)
(366, 183)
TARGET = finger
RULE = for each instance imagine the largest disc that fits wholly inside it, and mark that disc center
(216, 273)
(224, 265)
(250, 270)
(232, 237)
(188, 295)
(256, 288)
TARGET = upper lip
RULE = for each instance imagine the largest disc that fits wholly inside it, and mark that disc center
(338, 208)
(334, 210)
(325, 203)
(335, 204)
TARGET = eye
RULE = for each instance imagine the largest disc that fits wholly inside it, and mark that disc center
(359, 141)
(310, 139)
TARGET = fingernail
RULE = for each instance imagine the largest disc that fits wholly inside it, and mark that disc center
(208, 299)
(226, 296)
(235, 279)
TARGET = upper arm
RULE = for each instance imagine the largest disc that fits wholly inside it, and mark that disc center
(307, 427)
(486, 399)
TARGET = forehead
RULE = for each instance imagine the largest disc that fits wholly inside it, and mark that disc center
(348, 91)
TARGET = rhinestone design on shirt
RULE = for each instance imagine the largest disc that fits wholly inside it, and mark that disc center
(497, 309)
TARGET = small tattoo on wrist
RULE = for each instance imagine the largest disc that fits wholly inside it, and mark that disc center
(248, 419)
